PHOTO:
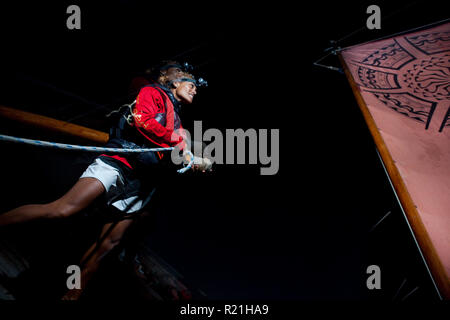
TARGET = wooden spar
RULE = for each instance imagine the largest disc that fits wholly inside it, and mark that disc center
(429, 252)
(48, 123)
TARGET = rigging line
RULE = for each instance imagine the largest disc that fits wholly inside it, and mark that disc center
(329, 67)
(325, 66)
(82, 115)
(398, 291)
(413, 290)
(62, 91)
(97, 106)
(409, 227)
(201, 64)
(179, 55)
(115, 102)
(107, 105)
(320, 59)
(93, 110)
(336, 48)
(351, 34)
(400, 33)
(373, 228)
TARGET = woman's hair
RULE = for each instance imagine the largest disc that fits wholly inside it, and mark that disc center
(155, 71)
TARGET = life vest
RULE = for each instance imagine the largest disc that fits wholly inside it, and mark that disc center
(122, 126)
(169, 118)
(124, 134)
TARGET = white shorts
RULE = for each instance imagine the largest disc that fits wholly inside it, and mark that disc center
(112, 180)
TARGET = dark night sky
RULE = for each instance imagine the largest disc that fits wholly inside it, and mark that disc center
(301, 234)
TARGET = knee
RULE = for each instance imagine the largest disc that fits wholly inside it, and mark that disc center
(109, 244)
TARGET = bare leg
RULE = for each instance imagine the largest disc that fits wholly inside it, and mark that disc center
(93, 262)
(76, 199)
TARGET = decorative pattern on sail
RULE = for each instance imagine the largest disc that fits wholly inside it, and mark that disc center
(409, 74)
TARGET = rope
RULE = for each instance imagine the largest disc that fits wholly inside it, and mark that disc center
(383, 19)
(400, 33)
(64, 146)
(335, 43)
(326, 66)
(129, 119)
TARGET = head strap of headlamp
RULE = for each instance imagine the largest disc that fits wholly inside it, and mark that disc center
(198, 83)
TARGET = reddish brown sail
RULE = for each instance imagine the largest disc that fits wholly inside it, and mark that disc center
(402, 85)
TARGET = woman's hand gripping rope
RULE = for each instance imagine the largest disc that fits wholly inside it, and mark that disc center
(197, 163)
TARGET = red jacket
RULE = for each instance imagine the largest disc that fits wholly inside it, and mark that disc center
(156, 120)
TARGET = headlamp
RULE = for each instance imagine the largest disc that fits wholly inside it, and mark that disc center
(187, 67)
(201, 82)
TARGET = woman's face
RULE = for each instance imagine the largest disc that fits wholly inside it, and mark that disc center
(184, 91)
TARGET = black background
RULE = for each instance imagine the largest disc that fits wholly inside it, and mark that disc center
(302, 234)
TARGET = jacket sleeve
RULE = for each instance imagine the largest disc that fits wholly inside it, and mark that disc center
(149, 104)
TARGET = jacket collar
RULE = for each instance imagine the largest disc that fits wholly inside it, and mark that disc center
(175, 102)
